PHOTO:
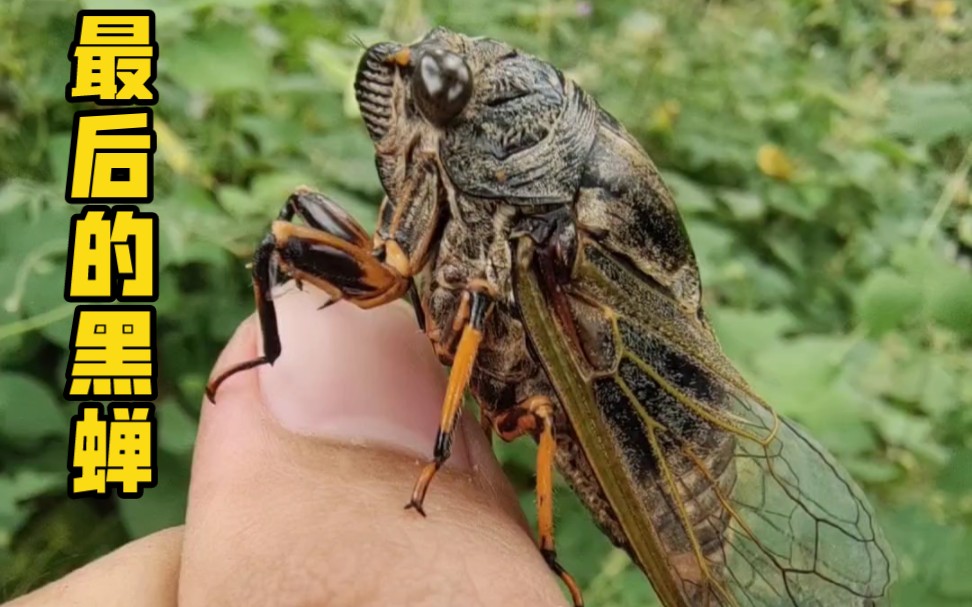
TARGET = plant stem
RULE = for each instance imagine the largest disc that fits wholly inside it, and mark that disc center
(26, 325)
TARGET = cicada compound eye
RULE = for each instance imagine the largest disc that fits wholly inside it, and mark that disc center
(441, 86)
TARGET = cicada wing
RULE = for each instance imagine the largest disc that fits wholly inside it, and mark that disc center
(741, 506)
(599, 444)
(800, 531)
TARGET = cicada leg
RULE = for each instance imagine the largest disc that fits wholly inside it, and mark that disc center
(470, 319)
(535, 416)
(331, 252)
(487, 425)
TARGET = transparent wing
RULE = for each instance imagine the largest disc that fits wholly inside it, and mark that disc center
(746, 508)
(801, 532)
(755, 511)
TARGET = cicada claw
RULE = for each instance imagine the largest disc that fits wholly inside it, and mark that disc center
(330, 251)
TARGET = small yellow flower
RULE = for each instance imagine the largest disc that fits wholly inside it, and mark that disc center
(774, 162)
(943, 9)
(946, 19)
(665, 115)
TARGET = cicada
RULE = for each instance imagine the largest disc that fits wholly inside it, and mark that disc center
(550, 269)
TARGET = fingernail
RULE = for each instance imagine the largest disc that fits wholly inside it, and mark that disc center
(359, 376)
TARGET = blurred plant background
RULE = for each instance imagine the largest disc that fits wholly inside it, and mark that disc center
(820, 151)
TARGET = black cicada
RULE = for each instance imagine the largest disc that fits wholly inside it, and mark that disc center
(549, 267)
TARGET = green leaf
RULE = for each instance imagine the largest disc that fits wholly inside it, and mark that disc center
(930, 111)
(950, 300)
(9, 307)
(689, 196)
(932, 558)
(956, 581)
(266, 195)
(177, 431)
(28, 409)
(887, 301)
(787, 199)
(336, 65)
(745, 206)
(15, 489)
(956, 476)
(801, 378)
(170, 13)
(276, 134)
(237, 201)
(271, 190)
(192, 227)
(220, 58)
(712, 244)
(911, 432)
(58, 155)
(17, 193)
(44, 298)
(354, 168)
(940, 392)
(871, 471)
(745, 333)
(162, 506)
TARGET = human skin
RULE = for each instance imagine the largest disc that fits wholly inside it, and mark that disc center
(300, 476)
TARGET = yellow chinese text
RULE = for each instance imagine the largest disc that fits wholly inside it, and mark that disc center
(113, 58)
(115, 452)
(112, 354)
(112, 156)
(101, 235)
(89, 450)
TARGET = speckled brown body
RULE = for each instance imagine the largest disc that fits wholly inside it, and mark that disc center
(475, 248)
(570, 155)
(549, 267)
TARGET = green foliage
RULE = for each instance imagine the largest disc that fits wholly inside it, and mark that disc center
(820, 152)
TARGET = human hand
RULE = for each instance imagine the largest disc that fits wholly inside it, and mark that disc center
(300, 476)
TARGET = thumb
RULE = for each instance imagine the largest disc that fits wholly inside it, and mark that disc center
(301, 472)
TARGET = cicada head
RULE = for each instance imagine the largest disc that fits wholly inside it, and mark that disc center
(426, 85)
(408, 96)
(472, 116)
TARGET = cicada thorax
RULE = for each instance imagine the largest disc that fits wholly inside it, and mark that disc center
(471, 251)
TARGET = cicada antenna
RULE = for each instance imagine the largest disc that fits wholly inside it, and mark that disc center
(358, 41)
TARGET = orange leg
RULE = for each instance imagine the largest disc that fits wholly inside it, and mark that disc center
(378, 283)
(462, 366)
(309, 253)
(535, 416)
(445, 347)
